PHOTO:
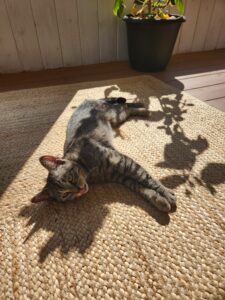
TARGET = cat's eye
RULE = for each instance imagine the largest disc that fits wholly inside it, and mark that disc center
(70, 178)
(64, 194)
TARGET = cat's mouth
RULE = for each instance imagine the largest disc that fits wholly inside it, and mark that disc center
(82, 190)
(45, 196)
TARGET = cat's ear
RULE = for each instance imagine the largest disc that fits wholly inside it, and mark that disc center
(51, 162)
(42, 196)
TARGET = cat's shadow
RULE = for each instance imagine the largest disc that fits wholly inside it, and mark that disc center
(73, 226)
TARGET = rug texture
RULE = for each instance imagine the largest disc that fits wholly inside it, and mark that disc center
(111, 244)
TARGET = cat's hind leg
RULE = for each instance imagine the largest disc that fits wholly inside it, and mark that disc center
(118, 114)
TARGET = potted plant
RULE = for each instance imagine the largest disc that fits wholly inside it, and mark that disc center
(151, 32)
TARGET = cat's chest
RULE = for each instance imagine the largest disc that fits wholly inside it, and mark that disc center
(97, 175)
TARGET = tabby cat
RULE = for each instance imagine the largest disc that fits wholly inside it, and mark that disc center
(89, 157)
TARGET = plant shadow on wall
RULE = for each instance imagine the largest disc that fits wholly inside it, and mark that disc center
(72, 226)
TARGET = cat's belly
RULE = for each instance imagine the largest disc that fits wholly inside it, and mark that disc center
(87, 122)
(75, 121)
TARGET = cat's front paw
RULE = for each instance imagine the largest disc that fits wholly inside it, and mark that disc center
(162, 203)
(165, 201)
(170, 197)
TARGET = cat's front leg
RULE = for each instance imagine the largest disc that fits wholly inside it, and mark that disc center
(149, 187)
(163, 191)
(162, 203)
(165, 203)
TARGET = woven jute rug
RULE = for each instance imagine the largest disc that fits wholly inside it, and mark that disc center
(111, 244)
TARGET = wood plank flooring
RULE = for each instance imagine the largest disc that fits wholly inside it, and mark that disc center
(200, 74)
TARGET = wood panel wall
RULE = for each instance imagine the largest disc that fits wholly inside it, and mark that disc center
(43, 34)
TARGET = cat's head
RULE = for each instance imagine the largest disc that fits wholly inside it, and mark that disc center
(66, 180)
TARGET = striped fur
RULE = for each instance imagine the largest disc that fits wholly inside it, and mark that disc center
(89, 156)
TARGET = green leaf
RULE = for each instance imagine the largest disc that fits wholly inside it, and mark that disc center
(180, 6)
(118, 8)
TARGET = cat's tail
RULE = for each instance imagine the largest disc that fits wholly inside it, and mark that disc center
(136, 105)
(121, 100)
(116, 100)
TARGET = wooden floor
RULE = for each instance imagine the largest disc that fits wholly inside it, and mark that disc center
(200, 74)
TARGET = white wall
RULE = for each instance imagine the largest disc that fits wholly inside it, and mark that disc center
(43, 34)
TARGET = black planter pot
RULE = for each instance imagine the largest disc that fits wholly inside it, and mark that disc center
(151, 42)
